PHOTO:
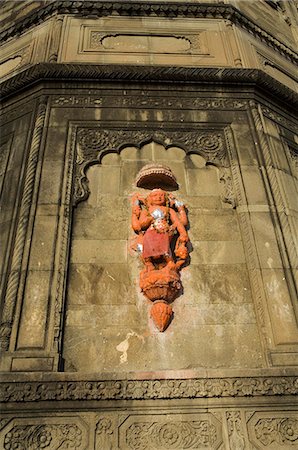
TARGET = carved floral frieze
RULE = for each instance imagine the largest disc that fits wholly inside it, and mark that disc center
(147, 389)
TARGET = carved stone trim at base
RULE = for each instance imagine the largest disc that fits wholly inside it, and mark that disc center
(36, 391)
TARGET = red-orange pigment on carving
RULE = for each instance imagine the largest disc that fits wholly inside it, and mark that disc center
(156, 219)
(161, 314)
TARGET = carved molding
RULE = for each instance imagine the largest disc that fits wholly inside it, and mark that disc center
(36, 391)
(161, 9)
(279, 119)
(57, 72)
(144, 100)
(21, 231)
(93, 143)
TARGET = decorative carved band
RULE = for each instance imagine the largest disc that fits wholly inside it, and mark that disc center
(171, 435)
(59, 72)
(36, 391)
(161, 9)
(93, 143)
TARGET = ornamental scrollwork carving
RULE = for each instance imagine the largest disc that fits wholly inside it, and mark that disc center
(228, 193)
(105, 433)
(36, 437)
(94, 143)
(143, 99)
(33, 391)
(282, 431)
(235, 431)
(171, 435)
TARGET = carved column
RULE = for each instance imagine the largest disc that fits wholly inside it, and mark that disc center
(55, 39)
(22, 231)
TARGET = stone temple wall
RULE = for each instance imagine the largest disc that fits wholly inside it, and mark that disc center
(92, 92)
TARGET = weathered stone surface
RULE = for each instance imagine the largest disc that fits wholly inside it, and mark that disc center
(224, 374)
(35, 308)
(213, 227)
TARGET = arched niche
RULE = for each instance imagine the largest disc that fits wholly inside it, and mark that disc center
(104, 306)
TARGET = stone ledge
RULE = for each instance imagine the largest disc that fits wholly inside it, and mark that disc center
(229, 77)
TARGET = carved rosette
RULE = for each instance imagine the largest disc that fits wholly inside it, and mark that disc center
(36, 437)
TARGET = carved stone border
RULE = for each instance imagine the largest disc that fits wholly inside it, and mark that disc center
(243, 78)
(36, 391)
(85, 146)
(94, 142)
(147, 9)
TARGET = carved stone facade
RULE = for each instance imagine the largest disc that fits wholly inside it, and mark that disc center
(93, 92)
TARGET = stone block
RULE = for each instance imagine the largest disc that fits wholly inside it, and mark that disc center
(203, 181)
(51, 181)
(34, 313)
(216, 284)
(213, 227)
(245, 145)
(289, 189)
(204, 202)
(282, 314)
(104, 223)
(136, 349)
(98, 251)
(265, 238)
(42, 243)
(5, 229)
(253, 185)
(217, 252)
(18, 148)
(55, 143)
(105, 284)
(129, 172)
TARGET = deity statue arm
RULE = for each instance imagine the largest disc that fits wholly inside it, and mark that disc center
(181, 210)
(179, 226)
(140, 219)
(136, 212)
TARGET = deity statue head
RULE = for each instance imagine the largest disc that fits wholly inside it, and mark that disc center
(157, 197)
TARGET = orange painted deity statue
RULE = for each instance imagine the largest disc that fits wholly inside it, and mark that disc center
(160, 221)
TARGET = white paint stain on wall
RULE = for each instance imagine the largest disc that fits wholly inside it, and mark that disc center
(124, 345)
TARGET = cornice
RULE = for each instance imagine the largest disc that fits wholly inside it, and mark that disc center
(37, 391)
(147, 9)
(237, 78)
